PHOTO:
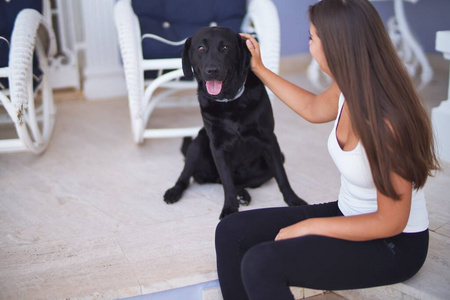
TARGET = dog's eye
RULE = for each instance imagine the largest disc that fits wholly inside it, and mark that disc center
(201, 49)
(226, 48)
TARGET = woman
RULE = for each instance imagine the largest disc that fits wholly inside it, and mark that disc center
(377, 232)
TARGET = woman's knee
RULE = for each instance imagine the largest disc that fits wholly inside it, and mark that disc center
(228, 229)
(259, 262)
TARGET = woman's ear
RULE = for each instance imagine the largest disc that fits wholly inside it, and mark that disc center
(186, 62)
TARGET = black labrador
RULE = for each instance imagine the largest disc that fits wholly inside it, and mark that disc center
(237, 146)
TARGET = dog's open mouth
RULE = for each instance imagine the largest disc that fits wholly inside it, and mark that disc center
(214, 87)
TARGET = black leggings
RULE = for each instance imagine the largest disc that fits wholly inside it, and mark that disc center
(250, 264)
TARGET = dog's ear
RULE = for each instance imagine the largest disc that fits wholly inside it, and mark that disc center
(244, 55)
(187, 67)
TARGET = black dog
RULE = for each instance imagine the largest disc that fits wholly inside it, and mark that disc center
(237, 145)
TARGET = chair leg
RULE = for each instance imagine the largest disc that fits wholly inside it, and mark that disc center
(35, 127)
(10, 145)
(150, 102)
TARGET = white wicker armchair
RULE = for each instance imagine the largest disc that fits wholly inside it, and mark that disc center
(29, 105)
(261, 19)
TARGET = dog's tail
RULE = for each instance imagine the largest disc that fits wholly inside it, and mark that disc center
(187, 140)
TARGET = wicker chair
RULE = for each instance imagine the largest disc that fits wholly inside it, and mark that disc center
(152, 34)
(26, 43)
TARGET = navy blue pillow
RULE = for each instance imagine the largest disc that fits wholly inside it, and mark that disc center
(176, 20)
(4, 52)
(10, 9)
(8, 13)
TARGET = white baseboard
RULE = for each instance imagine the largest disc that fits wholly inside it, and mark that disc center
(104, 86)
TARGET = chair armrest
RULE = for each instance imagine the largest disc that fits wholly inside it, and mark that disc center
(30, 27)
(263, 14)
(129, 34)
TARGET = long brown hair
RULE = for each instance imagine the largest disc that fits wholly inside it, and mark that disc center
(385, 110)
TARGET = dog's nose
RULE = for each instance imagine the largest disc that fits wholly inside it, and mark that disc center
(213, 71)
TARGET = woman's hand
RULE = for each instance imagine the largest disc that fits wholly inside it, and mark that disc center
(296, 230)
(390, 219)
(256, 63)
(314, 108)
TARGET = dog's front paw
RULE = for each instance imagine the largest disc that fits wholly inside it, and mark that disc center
(295, 201)
(227, 211)
(172, 195)
(243, 197)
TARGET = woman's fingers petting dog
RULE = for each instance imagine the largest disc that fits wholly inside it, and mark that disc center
(253, 47)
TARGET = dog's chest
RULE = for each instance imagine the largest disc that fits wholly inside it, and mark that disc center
(237, 128)
(233, 117)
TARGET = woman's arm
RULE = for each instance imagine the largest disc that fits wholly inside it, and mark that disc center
(320, 108)
(390, 219)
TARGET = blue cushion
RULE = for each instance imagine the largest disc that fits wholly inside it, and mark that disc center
(10, 9)
(4, 52)
(8, 13)
(176, 20)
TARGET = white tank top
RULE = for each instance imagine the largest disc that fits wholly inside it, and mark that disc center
(358, 194)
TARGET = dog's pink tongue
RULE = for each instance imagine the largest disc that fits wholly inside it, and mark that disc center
(214, 87)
